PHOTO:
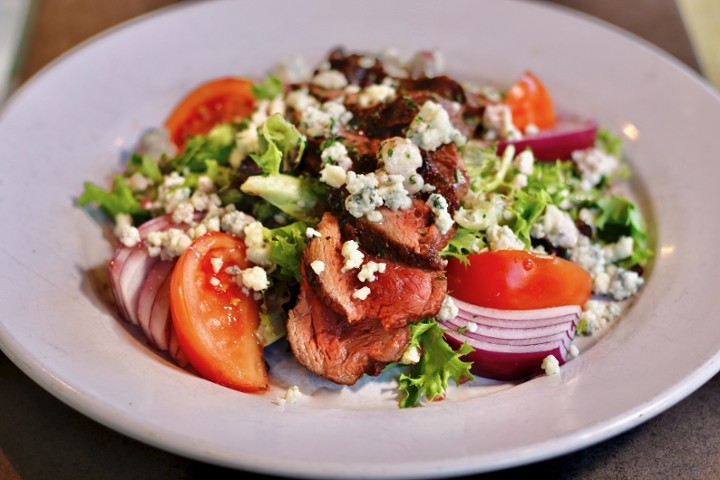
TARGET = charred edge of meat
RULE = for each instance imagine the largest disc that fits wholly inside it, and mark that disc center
(444, 169)
(423, 290)
(409, 235)
(442, 86)
(351, 67)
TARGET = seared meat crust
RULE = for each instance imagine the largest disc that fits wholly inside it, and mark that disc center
(422, 290)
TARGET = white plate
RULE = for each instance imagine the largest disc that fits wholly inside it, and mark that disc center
(76, 119)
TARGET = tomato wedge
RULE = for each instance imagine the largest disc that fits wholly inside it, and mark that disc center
(530, 103)
(218, 101)
(214, 320)
(518, 280)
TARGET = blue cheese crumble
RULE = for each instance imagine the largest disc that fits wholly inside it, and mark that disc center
(431, 128)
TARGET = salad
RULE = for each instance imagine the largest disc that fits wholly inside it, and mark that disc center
(373, 213)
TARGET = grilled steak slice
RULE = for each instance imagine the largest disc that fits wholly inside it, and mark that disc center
(421, 290)
(352, 67)
(328, 346)
(409, 235)
(442, 86)
(444, 169)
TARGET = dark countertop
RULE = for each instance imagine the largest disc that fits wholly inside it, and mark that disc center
(42, 438)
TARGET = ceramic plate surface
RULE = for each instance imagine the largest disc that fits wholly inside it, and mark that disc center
(77, 120)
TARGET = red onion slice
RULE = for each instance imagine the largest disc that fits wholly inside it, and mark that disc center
(154, 303)
(559, 142)
(511, 344)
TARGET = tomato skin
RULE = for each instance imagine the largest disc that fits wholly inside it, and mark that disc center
(518, 280)
(530, 103)
(223, 100)
(216, 325)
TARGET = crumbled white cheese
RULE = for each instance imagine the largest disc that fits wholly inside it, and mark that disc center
(431, 128)
(364, 196)
(214, 281)
(258, 251)
(124, 230)
(330, 80)
(374, 94)
(439, 207)
(557, 227)
(551, 365)
(170, 199)
(255, 278)
(167, 244)
(361, 293)
(300, 99)
(246, 142)
(235, 222)
(294, 70)
(597, 315)
(594, 164)
(503, 238)
(216, 263)
(619, 250)
(292, 395)
(411, 356)
(333, 175)
(623, 283)
(368, 271)
(318, 266)
(352, 254)
(324, 121)
(392, 191)
(400, 156)
(311, 232)
(573, 351)
(336, 154)
(448, 309)
(519, 181)
(184, 212)
(138, 182)
(498, 123)
(525, 162)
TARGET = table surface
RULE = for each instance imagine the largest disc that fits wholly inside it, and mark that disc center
(40, 437)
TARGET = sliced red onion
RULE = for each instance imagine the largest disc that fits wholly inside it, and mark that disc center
(511, 344)
(140, 285)
(154, 303)
(129, 272)
(557, 143)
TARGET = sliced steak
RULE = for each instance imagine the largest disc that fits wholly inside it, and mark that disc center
(444, 169)
(422, 290)
(329, 346)
(409, 235)
(442, 86)
(356, 68)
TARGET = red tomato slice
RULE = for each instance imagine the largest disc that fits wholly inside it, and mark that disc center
(216, 324)
(530, 103)
(218, 101)
(518, 280)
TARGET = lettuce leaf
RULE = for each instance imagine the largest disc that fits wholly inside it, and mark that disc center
(527, 208)
(618, 217)
(280, 145)
(297, 197)
(216, 146)
(286, 247)
(269, 89)
(118, 200)
(438, 364)
(146, 166)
